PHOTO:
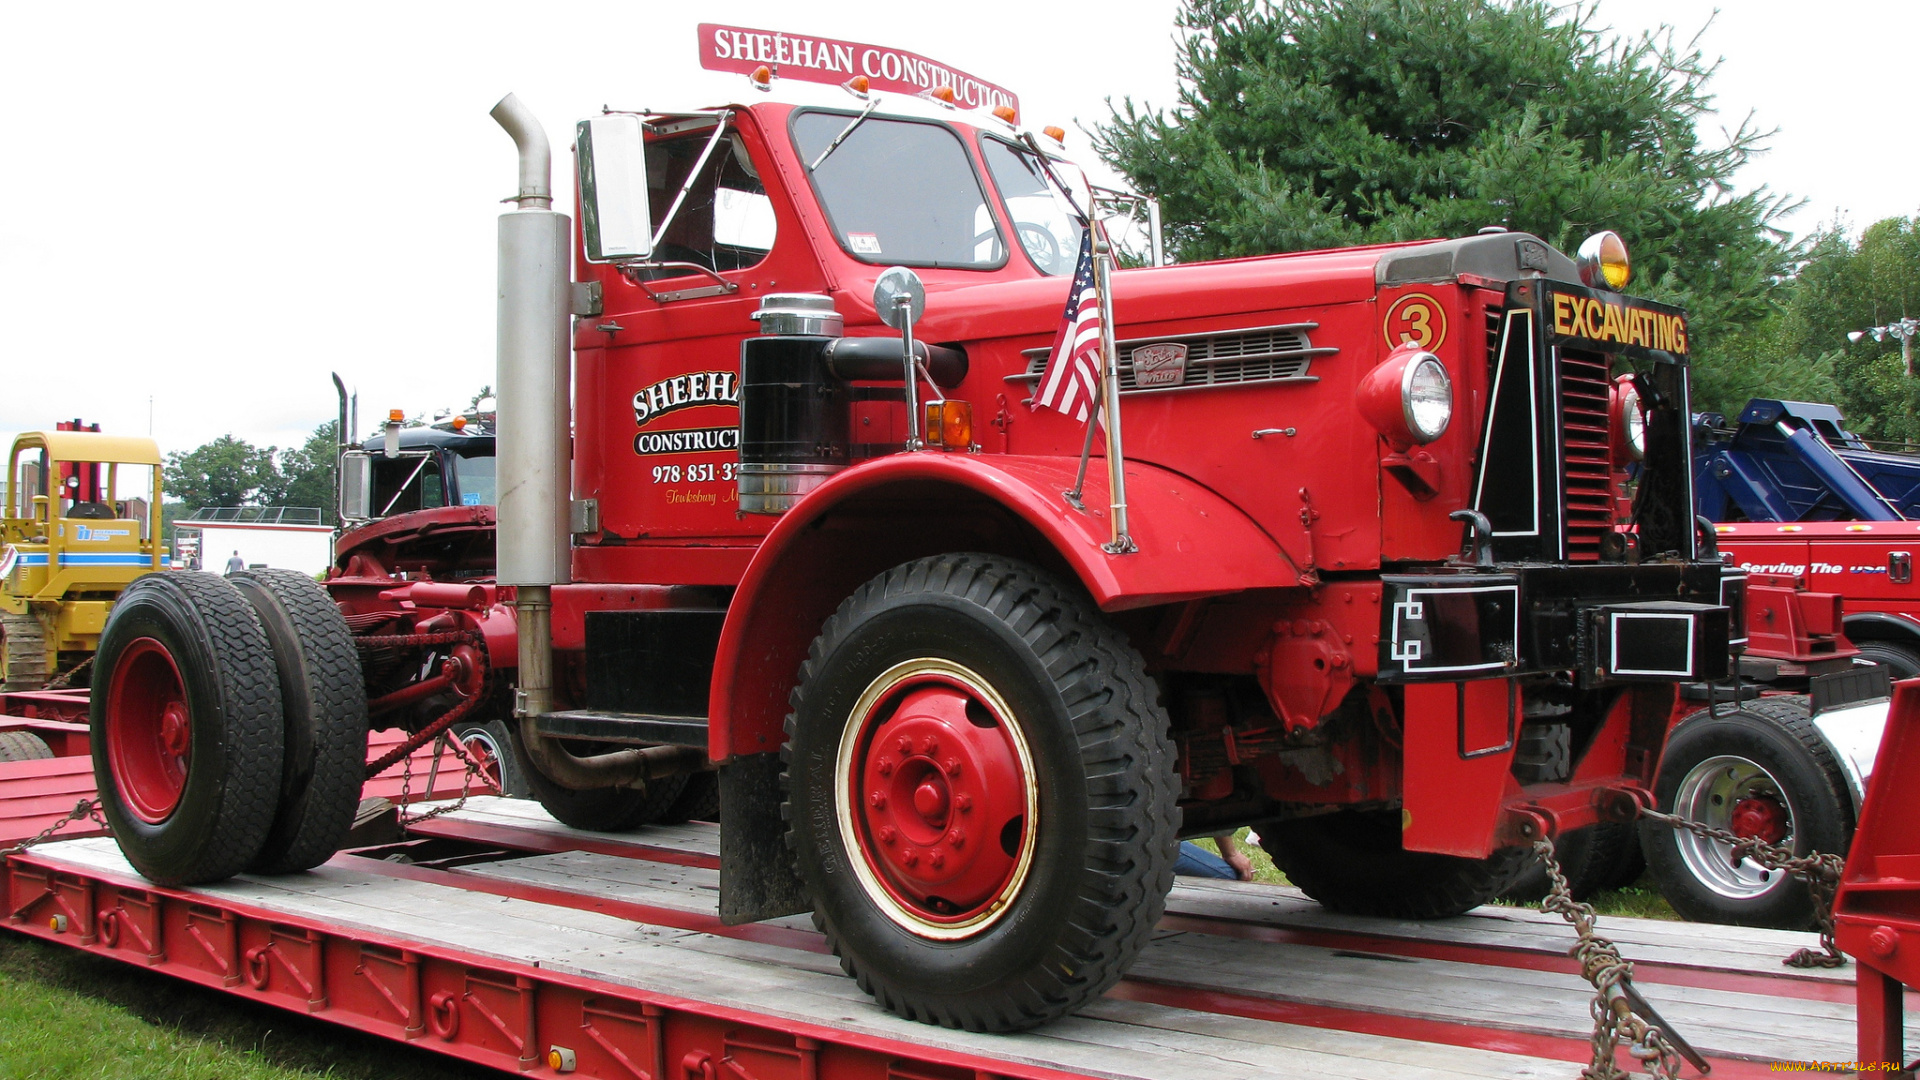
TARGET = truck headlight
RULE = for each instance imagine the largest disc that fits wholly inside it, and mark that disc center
(1629, 421)
(1408, 398)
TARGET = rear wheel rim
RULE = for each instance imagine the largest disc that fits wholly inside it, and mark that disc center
(149, 730)
(1721, 792)
(935, 795)
(485, 752)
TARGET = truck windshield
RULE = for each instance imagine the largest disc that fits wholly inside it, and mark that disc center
(901, 192)
(474, 478)
(1042, 220)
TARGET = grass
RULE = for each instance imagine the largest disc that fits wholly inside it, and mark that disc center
(1639, 900)
(71, 1015)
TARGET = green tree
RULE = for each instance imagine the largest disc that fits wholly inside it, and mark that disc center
(1318, 123)
(308, 472)
(1844, 285)
(225, 472)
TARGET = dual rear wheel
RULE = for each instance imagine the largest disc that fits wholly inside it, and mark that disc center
(228, 725)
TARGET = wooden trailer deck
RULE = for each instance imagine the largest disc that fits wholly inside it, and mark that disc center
(609, 945)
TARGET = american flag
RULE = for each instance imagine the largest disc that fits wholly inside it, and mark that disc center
(1072, 372)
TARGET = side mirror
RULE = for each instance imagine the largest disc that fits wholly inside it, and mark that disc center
(899, 298)
(614, 217)
(356, 486)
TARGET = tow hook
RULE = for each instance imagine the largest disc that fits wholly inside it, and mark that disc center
(1520, 826)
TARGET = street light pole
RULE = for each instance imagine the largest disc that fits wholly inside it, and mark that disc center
(1903, 330)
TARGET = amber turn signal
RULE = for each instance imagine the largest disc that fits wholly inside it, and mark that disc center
(1603, 261)
(950, 424)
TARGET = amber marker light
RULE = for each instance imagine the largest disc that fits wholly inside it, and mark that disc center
(859, 84)
(396, 416)
(950, 424)
(1005, 113)
(1056, 133)
(762, 77)
(459, 423)
(1603, 261)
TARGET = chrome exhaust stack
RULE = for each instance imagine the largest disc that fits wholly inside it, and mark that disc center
(534, 441)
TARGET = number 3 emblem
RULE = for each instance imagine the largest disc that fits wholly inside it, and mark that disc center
(1416, 319)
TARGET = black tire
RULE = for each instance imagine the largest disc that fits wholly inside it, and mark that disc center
(1770, 752)
(1629, 864)
(1050, 689)
(596, 809)
(698, 801)
(23, 746)
(323, 701)
(1902, 661)
(492, 746)
(1591, 858)
(197, 630)
(1351, 861)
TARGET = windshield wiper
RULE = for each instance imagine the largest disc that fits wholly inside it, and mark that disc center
(844, 132)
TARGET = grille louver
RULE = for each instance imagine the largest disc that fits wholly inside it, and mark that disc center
(1585, 453)
(1261, 355)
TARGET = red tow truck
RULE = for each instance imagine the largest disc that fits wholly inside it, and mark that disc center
(776, 513)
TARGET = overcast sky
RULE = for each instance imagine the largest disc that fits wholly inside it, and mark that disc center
(209, 207)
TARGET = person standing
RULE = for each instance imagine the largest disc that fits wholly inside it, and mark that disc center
(236, 563)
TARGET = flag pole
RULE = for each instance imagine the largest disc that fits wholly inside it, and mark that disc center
(1122, 542)
(1086, 451)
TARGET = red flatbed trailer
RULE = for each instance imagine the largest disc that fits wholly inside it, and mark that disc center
(510, 936)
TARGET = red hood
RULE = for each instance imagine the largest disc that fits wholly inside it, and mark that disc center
(957, 311)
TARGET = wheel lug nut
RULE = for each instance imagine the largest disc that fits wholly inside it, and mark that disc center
(910, 857)
(878, 799)
(938, 859)
(904, 745)
(952, 765)
(884, 766)
(958, 838)
(932, 746)
(963, 802)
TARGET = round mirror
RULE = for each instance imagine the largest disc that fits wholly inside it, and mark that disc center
(896, 282)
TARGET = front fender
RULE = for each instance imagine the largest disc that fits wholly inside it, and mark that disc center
(1191, 543)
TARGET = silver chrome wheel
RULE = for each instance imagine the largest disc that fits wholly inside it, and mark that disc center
(1737, 795)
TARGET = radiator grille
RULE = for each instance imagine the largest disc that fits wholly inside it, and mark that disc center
(1585, 453)
(1266, 354)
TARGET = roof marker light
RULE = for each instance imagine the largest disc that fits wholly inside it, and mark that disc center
(942, 94)
(858, 85)
(1005, 113)
(1056, 133)
(762, 78)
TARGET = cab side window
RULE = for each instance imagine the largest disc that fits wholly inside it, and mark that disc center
(726, 220)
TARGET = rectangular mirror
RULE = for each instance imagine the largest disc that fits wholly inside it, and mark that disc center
(614, 217)
(356, 486)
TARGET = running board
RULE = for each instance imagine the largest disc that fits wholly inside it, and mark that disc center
(634, 729)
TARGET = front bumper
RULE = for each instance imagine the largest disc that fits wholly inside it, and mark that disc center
(1606, 623)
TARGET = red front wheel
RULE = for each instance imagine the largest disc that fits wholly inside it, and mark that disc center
(981, 793)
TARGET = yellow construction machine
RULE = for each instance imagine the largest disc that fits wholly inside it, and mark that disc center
(80, 520)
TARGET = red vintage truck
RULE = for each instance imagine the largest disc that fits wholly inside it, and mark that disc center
(1369, 593)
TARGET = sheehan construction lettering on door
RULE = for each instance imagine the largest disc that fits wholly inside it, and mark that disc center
(686, 391)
